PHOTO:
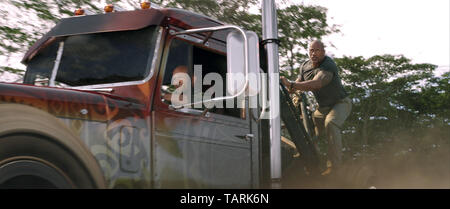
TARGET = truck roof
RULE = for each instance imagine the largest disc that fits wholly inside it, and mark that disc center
(123, 21)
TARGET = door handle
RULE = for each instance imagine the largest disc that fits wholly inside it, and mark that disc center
(203, 113)
(247, 137)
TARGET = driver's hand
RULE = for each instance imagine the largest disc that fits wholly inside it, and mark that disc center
(285, 81)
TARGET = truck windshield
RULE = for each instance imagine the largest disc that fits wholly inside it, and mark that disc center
(100, 58)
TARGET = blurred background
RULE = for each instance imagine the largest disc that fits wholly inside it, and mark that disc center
(393, 55)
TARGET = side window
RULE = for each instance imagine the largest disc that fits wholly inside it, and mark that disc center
(197, 71)
(39, 68)
(179, 64)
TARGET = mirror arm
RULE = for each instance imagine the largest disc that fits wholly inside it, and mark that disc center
(246, 60)
(207, 37)
(205, 112)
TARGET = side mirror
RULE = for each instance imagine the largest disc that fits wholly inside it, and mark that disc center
(243, 76)
(237, 63)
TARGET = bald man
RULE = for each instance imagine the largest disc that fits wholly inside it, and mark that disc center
(320, 75)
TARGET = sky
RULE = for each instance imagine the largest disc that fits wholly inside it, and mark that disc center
(418, 29)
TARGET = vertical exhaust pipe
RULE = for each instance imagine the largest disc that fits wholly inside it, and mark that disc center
(270, 36)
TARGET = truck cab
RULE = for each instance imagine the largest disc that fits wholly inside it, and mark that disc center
(96, 107)
(102, 79)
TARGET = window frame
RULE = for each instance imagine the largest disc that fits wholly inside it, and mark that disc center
(156, 53)
(213, 47)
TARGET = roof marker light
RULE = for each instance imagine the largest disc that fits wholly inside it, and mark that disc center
(109, 8)
(79, 12)
(145, 5)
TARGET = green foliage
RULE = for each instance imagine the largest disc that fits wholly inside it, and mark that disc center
(391, 95)
(297, 23)
(12, 70)
(23, 22)
(41, 8)
(16, 38)
(231, 11)
(432, 99)
(387, 90)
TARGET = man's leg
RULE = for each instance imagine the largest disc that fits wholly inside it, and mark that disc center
(334, 144)
(319, 121)
(333, 124)
(319, 126)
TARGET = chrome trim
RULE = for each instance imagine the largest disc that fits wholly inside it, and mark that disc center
(57, 62)
(249, 137)
(246, 61)
(264, 95)
(270, 31)
(129, 83)
(107, 90)
(190, 38)
(203, 113)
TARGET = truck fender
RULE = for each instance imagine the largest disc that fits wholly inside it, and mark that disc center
(18, 119)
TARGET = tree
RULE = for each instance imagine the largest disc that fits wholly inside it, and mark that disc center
(25, 21)
(228, 11)
(387, 95)
(432, 99)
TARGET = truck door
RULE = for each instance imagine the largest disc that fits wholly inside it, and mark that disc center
(193, 148)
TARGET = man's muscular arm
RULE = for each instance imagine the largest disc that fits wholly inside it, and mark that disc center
(322, 79)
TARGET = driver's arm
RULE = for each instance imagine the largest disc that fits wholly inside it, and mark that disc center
(322, 79)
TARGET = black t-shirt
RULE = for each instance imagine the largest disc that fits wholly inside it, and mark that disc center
(328, 95)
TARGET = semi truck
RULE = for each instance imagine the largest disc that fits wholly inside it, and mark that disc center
(91, 112)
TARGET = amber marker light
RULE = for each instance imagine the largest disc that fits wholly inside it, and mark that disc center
(145, 5)
(109, 8)
(79, 12)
